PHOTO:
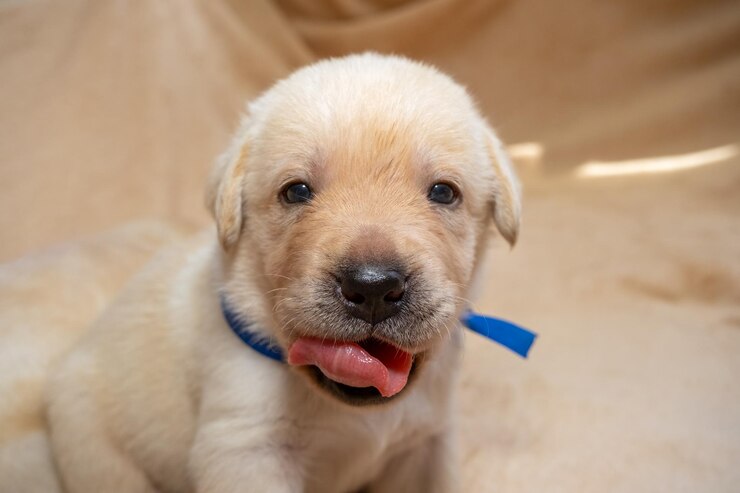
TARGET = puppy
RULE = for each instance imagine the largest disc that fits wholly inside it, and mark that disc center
(352, 210)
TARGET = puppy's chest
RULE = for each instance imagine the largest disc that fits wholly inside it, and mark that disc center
(344, 453)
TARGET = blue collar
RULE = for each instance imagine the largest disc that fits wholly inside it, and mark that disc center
(511, 336)
(251, 339)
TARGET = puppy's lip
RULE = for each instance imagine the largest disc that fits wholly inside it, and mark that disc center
(369, 363)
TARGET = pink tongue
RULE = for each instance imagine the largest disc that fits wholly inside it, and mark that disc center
(381, 365)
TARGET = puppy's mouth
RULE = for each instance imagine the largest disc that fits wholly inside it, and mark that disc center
(366, 372)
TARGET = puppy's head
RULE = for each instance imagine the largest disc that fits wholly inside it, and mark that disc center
(352, 208)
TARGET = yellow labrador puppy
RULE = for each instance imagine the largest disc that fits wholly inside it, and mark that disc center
(313, 347)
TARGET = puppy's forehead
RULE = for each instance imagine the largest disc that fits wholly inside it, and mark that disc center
(367, 114)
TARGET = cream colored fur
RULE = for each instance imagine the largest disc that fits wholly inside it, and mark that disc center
(160, 395)
(47, 300)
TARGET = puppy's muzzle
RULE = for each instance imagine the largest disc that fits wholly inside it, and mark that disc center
(372, 292)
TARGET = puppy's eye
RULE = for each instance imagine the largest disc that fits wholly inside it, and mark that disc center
(442, 193)
(297, 193)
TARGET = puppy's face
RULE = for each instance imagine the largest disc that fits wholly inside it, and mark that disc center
(360, 192)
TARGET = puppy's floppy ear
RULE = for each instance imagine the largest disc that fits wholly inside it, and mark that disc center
(507, 204)
(225, 189)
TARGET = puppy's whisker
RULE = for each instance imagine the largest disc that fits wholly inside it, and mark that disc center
(281, 276)
(276, 289)
(449, 332)
(467, 302)
(438, 330)
(290, 330)
(287, 298)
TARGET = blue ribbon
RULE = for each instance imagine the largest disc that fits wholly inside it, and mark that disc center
(507, 334)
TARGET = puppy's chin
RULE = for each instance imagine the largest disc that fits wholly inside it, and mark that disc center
(359, 396)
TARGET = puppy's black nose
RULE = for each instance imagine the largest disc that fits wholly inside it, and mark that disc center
(372, 291)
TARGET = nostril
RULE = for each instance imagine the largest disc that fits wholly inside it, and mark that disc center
(349, 293)
(355, 298)
(394, 296)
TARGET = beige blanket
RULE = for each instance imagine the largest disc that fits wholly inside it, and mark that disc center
(625, 120)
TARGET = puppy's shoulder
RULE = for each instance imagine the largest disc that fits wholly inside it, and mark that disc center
(137, 343)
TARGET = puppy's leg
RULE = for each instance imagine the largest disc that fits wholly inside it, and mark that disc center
(430, 467)
(229, 457)
(88, 463)
(26, 465)
(87, 459)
